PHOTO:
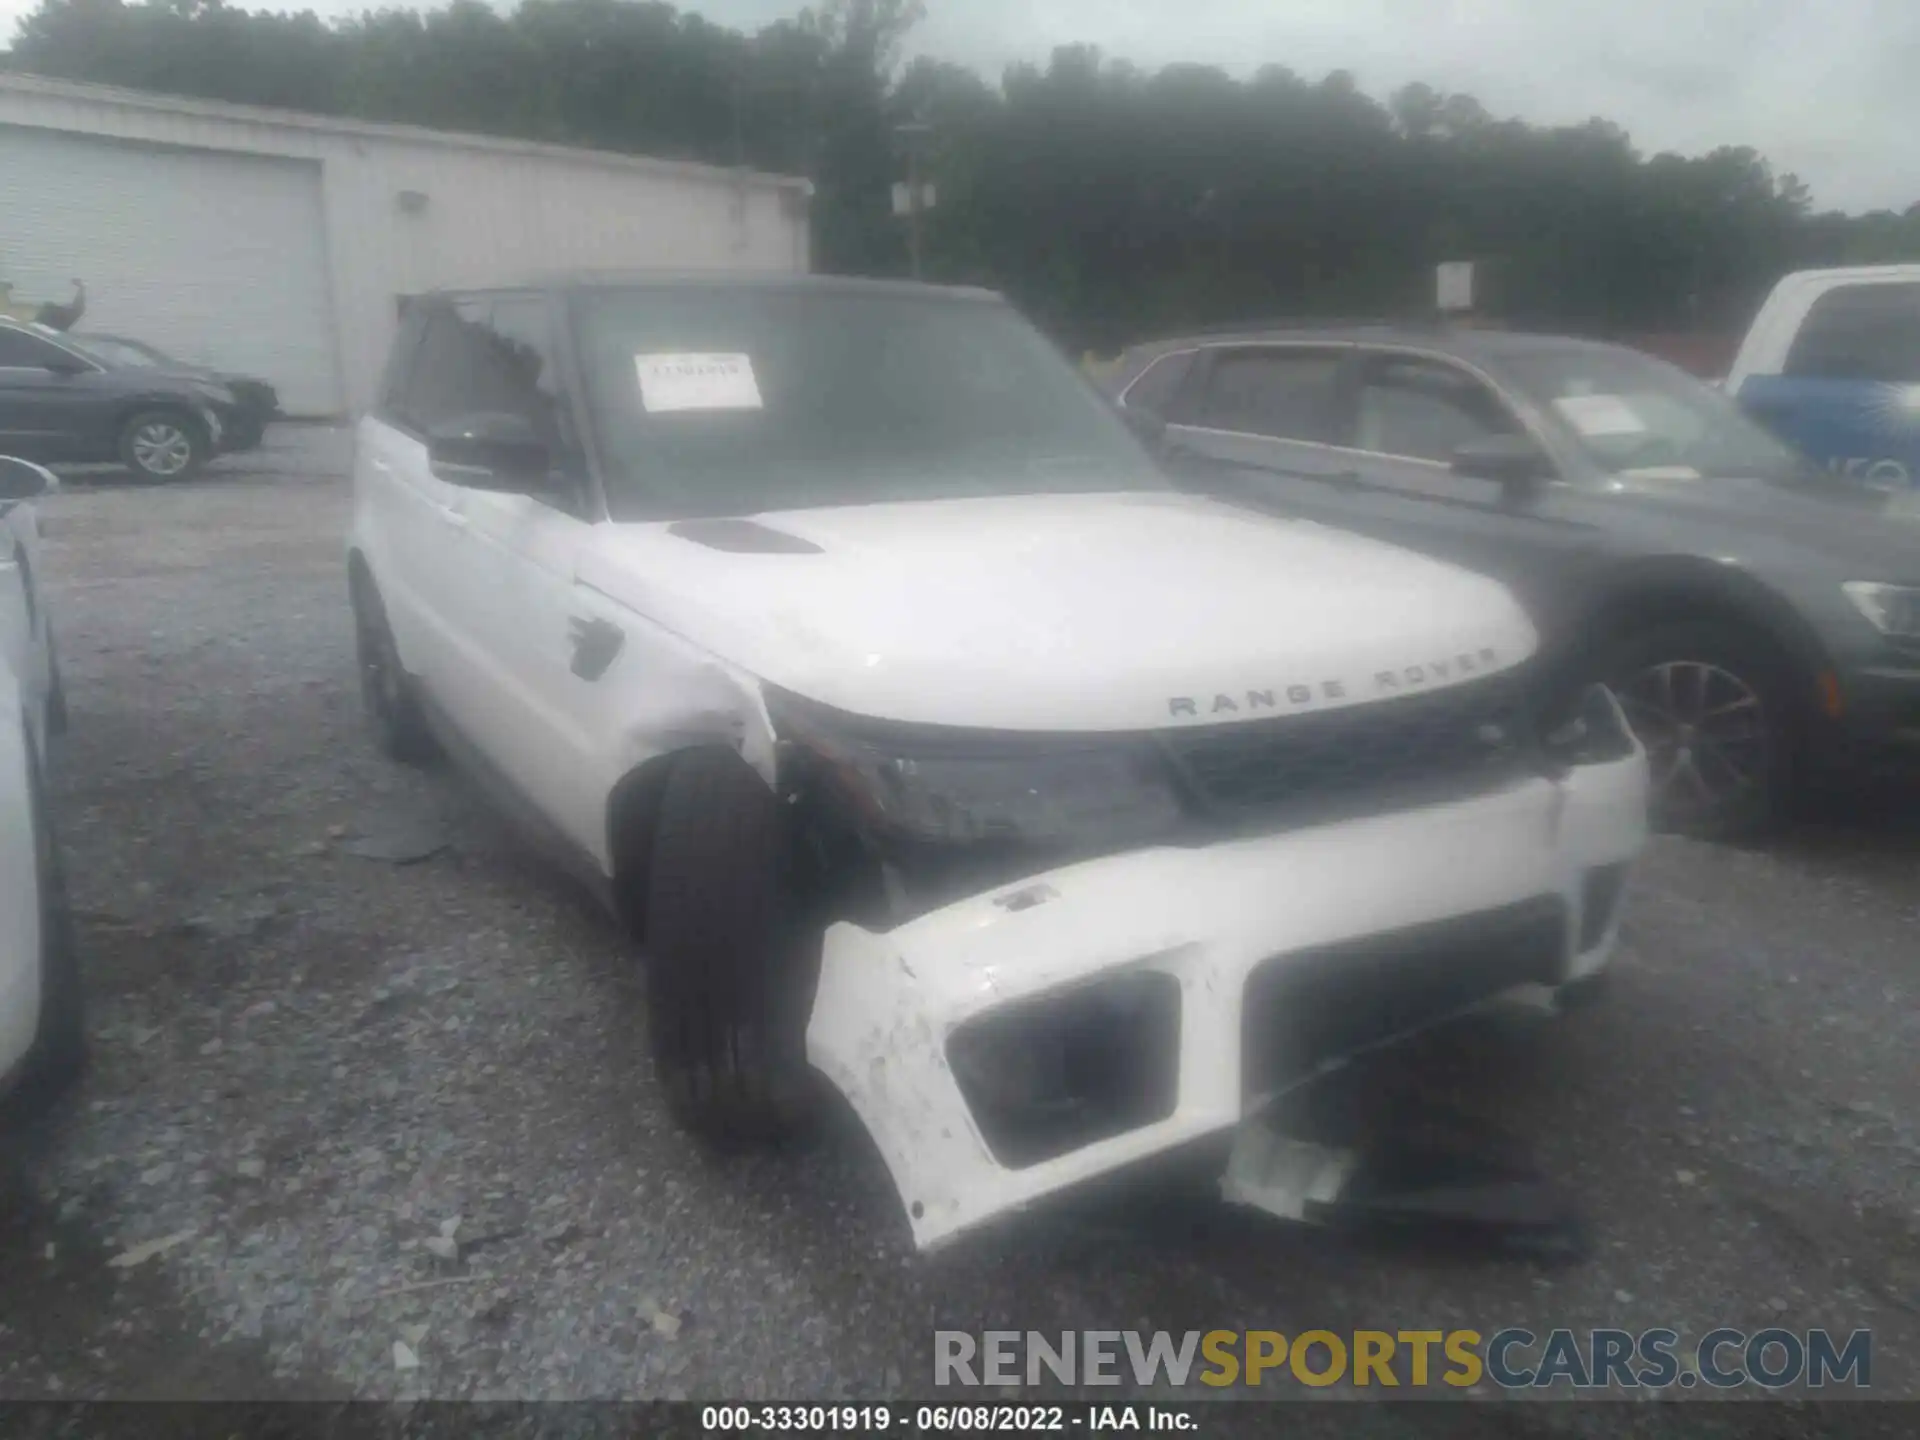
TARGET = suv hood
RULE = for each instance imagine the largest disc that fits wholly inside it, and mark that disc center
(1062, 612)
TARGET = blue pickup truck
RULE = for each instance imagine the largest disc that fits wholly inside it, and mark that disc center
(1832, 364)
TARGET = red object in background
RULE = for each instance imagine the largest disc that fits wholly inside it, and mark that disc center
(1706, 355)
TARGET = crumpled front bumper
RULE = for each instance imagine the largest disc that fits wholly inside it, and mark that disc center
(1212, 919)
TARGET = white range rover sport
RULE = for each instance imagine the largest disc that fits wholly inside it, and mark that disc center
(931, 741)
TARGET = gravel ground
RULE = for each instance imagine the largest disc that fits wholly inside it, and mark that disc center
(395, 1130)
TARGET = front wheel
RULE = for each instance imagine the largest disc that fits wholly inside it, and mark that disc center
(731, 968)
(1715, 710)
(162, 445)
(399, 726)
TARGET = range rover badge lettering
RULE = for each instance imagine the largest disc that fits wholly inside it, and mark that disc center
(1296, 695)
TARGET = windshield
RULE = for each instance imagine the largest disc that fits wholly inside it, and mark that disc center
(714, 401)
(1632, 414)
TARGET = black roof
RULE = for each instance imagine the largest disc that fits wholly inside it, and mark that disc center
(729, 280)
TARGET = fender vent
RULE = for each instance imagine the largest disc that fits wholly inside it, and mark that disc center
(742, 537)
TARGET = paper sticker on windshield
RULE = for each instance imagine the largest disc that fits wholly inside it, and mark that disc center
(697, 382)
(1600, 415)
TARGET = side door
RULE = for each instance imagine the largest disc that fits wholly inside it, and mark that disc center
(1845, 389)
(1263, 422)
(1410, 413)
(520, 677)
(47, 406)
(402, 509)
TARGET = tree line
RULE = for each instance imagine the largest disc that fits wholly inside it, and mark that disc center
(1110, 201)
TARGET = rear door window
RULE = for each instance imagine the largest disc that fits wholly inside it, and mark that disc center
(466, 366)
(21, 351)
(395, 382)
(515, 334)
(1860, 332)
(1284, 392)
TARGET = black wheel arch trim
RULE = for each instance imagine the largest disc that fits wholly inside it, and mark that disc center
(1672, 589)
(186, 407)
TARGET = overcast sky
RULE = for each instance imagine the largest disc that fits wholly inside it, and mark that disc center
(1825, 88)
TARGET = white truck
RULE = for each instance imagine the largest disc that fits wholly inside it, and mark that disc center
(1832, 364)
(931, 742)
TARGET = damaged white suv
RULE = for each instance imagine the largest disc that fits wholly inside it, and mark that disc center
(931, 741)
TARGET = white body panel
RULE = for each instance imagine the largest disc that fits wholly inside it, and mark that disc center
(1069, 612)
(25, 674)
(19, 891)
(1764, 350)
(231, 179)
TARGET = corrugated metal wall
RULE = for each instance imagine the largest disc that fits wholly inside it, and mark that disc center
(406, 210)
(217, 258)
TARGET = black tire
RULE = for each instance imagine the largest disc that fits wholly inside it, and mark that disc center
(731, 969)
(58, 1056)
(387, 691)
(1585, 993)
(245, 435)
(1736, 781)
(164, 445)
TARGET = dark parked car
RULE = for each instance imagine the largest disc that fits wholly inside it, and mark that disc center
(243, 426)
(1757, 617)
(60, 404)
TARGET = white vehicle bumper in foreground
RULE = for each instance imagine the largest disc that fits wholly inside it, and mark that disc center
(1322, 941)
(19, 899)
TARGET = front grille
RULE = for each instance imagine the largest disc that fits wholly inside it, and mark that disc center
(1452, 742)
(1301, 1010)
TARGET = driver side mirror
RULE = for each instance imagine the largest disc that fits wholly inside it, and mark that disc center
(61, 363)
(24, 480)
(1512, 460)
(491, 450)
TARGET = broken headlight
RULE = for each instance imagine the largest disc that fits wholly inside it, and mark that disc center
(965, 788)
(1595, 733)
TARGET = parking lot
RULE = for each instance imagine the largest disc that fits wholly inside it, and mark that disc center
(373, 1073)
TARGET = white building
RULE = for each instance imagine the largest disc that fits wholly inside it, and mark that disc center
(278, 244)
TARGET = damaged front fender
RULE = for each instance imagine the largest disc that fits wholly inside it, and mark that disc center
(656, 695)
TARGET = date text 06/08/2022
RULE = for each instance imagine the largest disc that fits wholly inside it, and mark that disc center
(945, 1419)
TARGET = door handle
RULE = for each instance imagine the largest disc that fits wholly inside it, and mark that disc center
(455, 518)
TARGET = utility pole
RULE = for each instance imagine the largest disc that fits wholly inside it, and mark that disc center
(913, 207)
(911, 134)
